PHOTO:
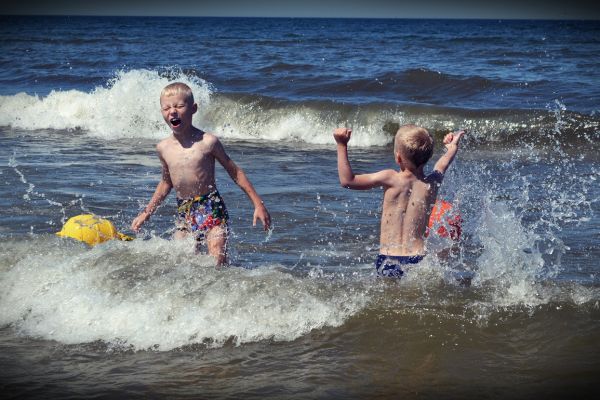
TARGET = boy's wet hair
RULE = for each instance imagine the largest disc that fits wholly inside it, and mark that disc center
(176, 88)
(415, 143)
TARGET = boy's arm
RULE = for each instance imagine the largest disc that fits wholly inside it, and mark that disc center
(240, 178)
(162, 191)
(451, 141)
(345, 173)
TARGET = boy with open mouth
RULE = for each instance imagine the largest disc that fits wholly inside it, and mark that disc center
(188, 165)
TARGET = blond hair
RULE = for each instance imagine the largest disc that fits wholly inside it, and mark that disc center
(414, 143)
(176, 88)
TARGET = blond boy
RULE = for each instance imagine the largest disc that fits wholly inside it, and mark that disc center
(188, 164)
(408, 195)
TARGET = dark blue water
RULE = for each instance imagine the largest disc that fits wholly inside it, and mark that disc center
(306, 318)
(453, 63)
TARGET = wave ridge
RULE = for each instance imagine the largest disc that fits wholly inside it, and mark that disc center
(127, 107)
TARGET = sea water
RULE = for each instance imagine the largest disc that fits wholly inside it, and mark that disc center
(300, 314)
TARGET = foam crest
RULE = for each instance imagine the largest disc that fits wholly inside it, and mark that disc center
(287, 122)
(152, 294)
(127, 107)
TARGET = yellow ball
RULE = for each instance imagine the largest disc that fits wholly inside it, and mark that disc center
(90, 229)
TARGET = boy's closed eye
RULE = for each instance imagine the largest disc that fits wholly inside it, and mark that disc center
(178, 106)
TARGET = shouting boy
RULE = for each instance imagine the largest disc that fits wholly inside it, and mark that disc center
(188, 164)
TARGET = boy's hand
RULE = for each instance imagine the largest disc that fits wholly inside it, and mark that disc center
(342, 135)
(139, 221)
(261, 213)
(453, 137)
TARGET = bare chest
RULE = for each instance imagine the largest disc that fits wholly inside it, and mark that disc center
(195, 157)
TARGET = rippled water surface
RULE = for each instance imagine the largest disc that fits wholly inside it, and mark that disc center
(300, 313)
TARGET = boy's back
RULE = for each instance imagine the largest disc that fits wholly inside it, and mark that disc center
(407, 201)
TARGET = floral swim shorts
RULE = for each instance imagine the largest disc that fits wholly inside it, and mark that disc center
(201, 213)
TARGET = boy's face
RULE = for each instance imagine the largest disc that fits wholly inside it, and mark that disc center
(177, 110)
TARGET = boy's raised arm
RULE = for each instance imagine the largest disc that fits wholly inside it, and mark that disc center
(342, 137)
(451, 141)
(345, 173)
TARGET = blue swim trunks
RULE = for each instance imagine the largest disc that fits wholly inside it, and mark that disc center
(390, 266)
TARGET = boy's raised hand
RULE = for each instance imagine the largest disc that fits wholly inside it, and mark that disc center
(342, 135)
(453, 137)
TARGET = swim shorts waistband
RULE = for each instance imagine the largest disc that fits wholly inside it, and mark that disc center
(187, 202)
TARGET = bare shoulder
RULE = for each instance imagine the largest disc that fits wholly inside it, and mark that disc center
(210, 138)
(388, 173)
(163, 144)
(213, 143)
(210, 141)
(386, 176)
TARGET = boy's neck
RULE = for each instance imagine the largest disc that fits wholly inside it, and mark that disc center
(411, 169)
(188, 136)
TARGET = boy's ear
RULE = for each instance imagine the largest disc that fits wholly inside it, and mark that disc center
(194, 108)
(397, 157)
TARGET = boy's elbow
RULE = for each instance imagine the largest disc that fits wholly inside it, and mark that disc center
(441, 166)
(345, 183)
(165, 185)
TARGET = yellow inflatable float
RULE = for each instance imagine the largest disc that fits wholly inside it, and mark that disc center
(91, 229)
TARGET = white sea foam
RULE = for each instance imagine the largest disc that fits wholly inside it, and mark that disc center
(304, 124)
(127, 107)
(152, 294)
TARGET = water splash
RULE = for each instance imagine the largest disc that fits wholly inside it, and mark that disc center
(30, 191)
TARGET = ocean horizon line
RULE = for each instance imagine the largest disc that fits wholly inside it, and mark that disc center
(487, 19)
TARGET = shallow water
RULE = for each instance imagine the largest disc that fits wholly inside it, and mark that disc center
(306, 317)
